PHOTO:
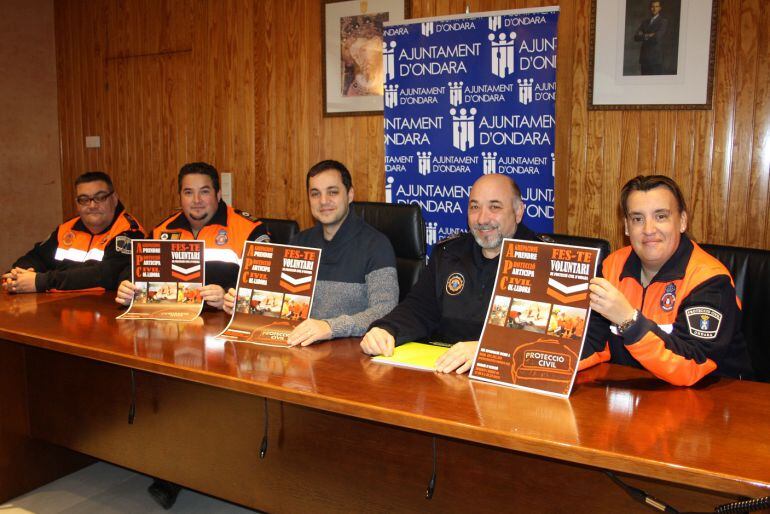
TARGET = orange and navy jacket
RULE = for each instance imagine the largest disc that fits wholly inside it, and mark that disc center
(689, 322)
(224, 235)
(73, 258)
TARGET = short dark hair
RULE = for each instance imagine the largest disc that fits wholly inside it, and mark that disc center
(199, 168)
(94, 176)
(648, 182)
(329, 164)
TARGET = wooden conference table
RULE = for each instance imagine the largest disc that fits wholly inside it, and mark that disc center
(347, 434)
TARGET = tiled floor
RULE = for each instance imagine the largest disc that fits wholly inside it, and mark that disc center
(106, 489)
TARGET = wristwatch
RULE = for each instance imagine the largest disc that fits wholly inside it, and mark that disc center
(623, 327)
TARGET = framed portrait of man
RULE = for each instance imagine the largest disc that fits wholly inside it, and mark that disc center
(353, 69)
(652, 54)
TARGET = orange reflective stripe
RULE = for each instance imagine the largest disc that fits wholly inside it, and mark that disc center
(595, 358)
(652, 353)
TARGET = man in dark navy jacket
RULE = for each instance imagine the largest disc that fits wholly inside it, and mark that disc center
(450, 300)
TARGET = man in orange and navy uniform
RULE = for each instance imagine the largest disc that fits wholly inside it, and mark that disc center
(206, 217)
(89, 251)
(664, 304)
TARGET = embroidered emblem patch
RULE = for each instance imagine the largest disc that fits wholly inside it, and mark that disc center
(170, 235)
(68, 238)
(668, 299)
(164, 235)
(703, 322)
(123, 244)
(455, 284)
(221, 238)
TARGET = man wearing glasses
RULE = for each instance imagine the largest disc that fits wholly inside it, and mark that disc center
(87, 252)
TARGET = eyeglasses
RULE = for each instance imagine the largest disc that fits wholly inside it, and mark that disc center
(97, 198)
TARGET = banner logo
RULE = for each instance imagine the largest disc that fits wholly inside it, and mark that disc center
(391, 96)
(489, 162)
(503, 54)
(423, 163)
(463, 129)
(495, 22)
(553, 164)
(525, 90)
(455, 93)
(389, 60)
(426, 28)
(431, 232)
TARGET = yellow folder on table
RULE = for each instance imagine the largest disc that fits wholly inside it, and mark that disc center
(414, 355)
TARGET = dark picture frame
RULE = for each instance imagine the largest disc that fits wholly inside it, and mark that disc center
(653, 55)
(352, 53)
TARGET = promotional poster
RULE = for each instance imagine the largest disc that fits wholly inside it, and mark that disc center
(169, 275)
(467, 96)
(275, 292)
(537, 317)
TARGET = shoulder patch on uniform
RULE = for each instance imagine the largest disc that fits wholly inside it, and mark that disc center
(703, 322)
(123, 245)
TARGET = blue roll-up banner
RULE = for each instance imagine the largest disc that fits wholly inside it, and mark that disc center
(466, 96)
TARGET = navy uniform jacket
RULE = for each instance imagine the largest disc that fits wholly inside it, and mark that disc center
(449, 302)
(72, 258)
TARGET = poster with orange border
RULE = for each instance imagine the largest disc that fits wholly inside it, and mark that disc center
(275, 293)
(169, 275)
(537, 317)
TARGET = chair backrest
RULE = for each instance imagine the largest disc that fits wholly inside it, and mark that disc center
(281, 231)
(594, 242)
(404, 226)
(750, 269)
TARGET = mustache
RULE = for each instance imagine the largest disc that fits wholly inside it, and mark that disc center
(486, 226)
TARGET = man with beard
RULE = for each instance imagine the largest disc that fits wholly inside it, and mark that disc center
(450, 300)
(206, 217)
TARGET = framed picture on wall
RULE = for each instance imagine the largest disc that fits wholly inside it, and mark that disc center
(652, 54)
(352, 34)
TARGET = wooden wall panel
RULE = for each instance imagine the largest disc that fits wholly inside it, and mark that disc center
(758, 219)
(239, 83)
(29, 127)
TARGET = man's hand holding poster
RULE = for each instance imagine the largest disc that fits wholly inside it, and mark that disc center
(169, 276)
